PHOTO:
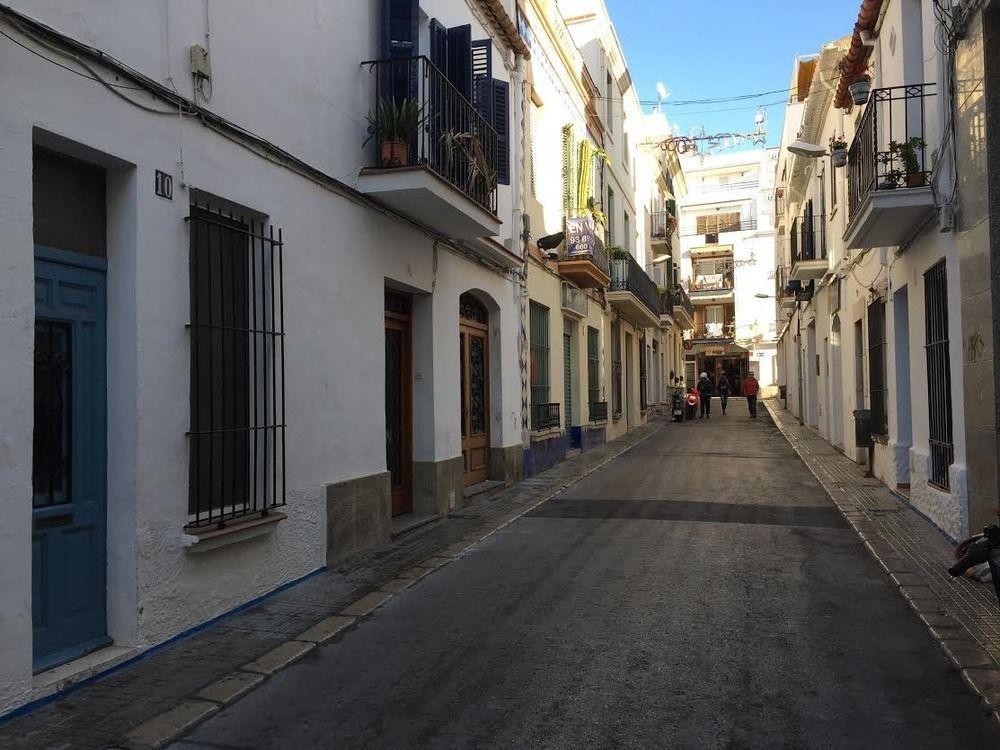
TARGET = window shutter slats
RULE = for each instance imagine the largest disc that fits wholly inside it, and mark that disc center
(439, 45)
(460, 59)
(501, 123)
(482, 74)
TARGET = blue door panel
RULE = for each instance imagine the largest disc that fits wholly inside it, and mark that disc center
(69, 494)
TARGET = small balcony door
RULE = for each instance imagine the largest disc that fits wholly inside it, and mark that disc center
(474, 350)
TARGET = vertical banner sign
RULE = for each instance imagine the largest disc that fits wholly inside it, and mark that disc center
(580, 236)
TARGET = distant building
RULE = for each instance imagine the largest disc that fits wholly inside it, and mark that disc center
(727, 262)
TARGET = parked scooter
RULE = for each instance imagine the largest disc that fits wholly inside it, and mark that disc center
(691, 402)
(677, 406)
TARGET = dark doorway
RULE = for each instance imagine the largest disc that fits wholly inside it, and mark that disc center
(398, 401)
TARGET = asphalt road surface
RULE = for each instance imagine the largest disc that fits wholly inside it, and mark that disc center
(701, 591)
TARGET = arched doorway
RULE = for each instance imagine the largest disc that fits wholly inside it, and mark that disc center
(474, 352)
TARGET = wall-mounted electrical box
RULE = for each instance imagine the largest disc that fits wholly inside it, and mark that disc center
(201, 66)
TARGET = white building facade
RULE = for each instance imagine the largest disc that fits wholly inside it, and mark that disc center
(727, 260)
(871, 261)
(244, 344)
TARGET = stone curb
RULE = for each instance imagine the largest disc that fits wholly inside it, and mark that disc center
(168, 726)
(978, 669)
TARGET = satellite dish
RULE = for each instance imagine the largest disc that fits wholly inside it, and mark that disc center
(804, 148)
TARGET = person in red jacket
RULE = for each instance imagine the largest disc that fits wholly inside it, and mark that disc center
(750, 389)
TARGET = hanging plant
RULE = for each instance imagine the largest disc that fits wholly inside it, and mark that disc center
(838, 151)
(860, 88)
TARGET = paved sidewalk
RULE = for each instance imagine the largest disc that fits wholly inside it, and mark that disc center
(148, 702)
(962, 615)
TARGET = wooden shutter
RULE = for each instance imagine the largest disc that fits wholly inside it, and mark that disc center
(501, 123)
(400, 40)
(439, 45)
(399, 28)
(460, 59)
(482, 74)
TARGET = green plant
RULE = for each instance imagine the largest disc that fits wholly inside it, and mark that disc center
(837, 143)
(617, 252)
(392, 120)
(470, 148)
(906, 152)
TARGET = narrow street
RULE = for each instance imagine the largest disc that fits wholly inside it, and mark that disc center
(699, 591)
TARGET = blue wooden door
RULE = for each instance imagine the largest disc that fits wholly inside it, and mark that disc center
(68, 576)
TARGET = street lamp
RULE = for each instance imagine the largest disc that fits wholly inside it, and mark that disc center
(761, 295)
(661, 258)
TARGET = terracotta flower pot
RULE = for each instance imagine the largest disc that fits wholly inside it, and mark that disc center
(839, 157)
(916, 179)
(860, 90)
(394, 154)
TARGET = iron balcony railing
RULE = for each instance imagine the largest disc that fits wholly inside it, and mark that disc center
(545, 416)
(598, 411)
(742, 225)
(807, 238)
(662, 225)
(719, 277)
(666, 303)
(447, 134)
(681, 300)
(627, 276)
(598, 254)
(573, 299)
(715, 331)
(889, 151)
(782, 289)
(724, 187)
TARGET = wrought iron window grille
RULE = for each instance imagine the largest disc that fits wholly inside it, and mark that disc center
(237, 339)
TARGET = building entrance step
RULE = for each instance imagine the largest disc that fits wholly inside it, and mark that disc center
(482, 489)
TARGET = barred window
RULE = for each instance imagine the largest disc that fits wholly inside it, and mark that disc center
(938, 374)
(593, 366)
(237, 436)
(878, 387)
(539, 347)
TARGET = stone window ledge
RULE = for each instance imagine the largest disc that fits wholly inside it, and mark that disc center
(208, 538)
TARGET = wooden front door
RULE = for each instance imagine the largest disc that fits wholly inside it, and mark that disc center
(474, 349)
(68, 554)
(398, 402)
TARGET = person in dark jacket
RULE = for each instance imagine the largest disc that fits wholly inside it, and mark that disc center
(705, 389)
(724, 388)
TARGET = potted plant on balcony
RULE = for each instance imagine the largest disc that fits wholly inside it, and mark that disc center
(393, 124)
(838, 151)
(906, 152)
(480, 175)
(860, 88)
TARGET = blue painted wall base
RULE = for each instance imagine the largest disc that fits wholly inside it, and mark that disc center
(592, 437)
(544, 454)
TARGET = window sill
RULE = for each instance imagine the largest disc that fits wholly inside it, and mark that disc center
(210, 537)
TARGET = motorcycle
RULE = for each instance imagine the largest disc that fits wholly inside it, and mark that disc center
(982, 548)
(677, 407)
(691, 402)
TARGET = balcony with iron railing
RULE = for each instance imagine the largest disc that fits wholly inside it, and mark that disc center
(433, 156)
(574, 301)
(712, 279)
(545, 417)
(583, 258)
(784, 287)
(598, 411)
(715, 332)
(807, 245)
(632, 292)
(889, 168)
(682, 307)
(748, 224)
(663, 224)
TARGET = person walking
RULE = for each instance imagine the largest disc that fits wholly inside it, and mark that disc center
(723, 387)
(750, 389)
(705, 395)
